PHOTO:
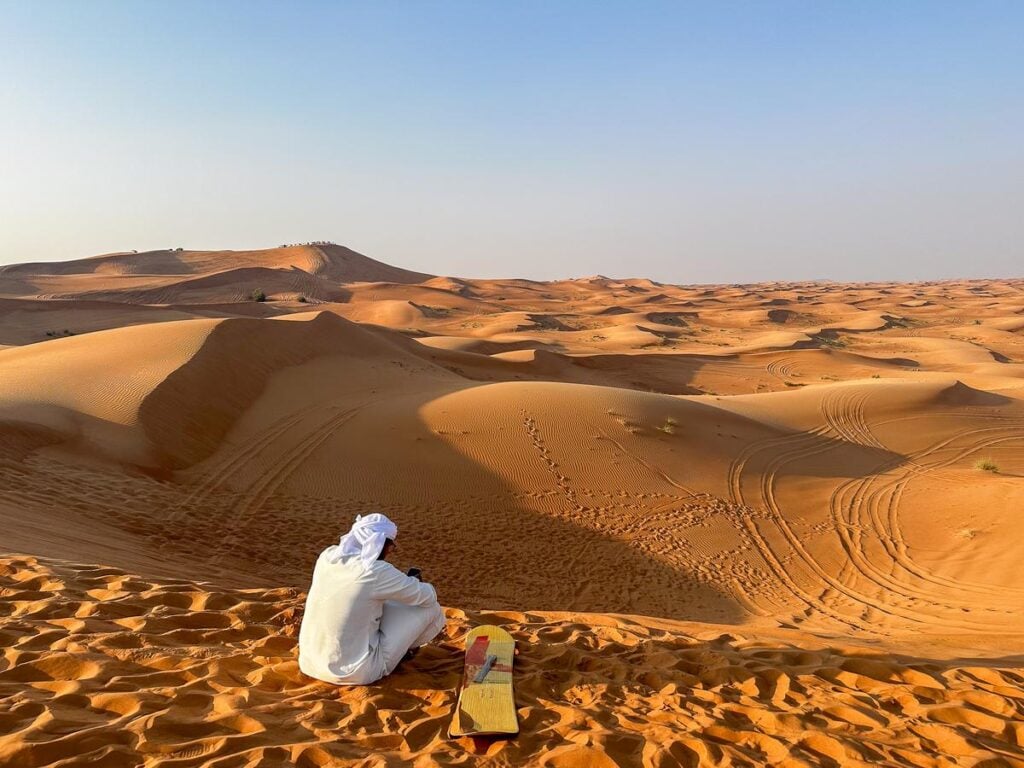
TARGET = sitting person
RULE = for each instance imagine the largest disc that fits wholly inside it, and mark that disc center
(362, 614)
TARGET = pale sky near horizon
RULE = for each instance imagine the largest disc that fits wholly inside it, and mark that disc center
(685, 142)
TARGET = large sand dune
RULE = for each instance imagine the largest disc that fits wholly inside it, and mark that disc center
(735, 524)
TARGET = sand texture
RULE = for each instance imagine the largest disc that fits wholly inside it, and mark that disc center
(104, 667)
(727, 525)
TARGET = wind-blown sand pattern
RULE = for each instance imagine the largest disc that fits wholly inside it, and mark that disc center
(745, 524)
(103, 666)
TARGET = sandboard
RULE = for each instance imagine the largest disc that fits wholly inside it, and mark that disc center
(486, 704)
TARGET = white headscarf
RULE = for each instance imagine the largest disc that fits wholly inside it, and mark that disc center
(366, 538)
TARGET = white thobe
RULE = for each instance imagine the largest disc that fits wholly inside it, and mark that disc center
(359, 622)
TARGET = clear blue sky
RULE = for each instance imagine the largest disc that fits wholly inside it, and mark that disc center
(680, 141)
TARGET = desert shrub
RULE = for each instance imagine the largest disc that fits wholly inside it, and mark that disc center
(986, 465)
(303, 300)
(630, 426)
(258, 295)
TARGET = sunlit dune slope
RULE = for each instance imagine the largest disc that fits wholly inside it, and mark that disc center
(261, 438)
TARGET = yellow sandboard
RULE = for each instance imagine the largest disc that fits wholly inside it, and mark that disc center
(486, 704)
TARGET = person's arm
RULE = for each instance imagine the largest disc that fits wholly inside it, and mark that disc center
(392, 584)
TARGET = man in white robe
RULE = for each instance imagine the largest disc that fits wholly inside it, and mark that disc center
(362, 614)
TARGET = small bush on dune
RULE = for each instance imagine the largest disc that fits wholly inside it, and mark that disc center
(258, 295)
(303, 300)
(986, 465)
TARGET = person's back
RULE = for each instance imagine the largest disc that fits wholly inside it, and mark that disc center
(362, 614)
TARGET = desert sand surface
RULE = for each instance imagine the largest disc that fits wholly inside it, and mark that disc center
(728, 525)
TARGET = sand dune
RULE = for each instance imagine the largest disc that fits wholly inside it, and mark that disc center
(105, 666)
(678, 507)
(26, 321)
(197, 277)
(738, 524)
(329, 260)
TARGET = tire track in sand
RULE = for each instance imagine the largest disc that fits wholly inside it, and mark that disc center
(880, 504)
(799, 443)
(840, 415)
(855, 495)
(263, 488)
(227, 468)
(845, 416)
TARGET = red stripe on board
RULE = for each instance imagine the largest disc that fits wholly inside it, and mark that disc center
(477, 653)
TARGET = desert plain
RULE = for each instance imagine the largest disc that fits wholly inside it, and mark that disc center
(728, 525)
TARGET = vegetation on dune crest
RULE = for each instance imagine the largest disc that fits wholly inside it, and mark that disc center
(258, 295)
(986, 465)
(835, 342)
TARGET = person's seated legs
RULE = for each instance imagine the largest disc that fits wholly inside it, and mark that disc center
(406, 627)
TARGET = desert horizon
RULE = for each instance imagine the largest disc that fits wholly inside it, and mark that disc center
(727, 524)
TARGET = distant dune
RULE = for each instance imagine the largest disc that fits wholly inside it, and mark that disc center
(201, 277)
(333, 262)
(731, 525)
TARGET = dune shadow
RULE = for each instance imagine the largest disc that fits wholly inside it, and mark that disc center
(484, 541)
(478, 541)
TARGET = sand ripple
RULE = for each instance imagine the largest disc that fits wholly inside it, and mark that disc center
(104, 668)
